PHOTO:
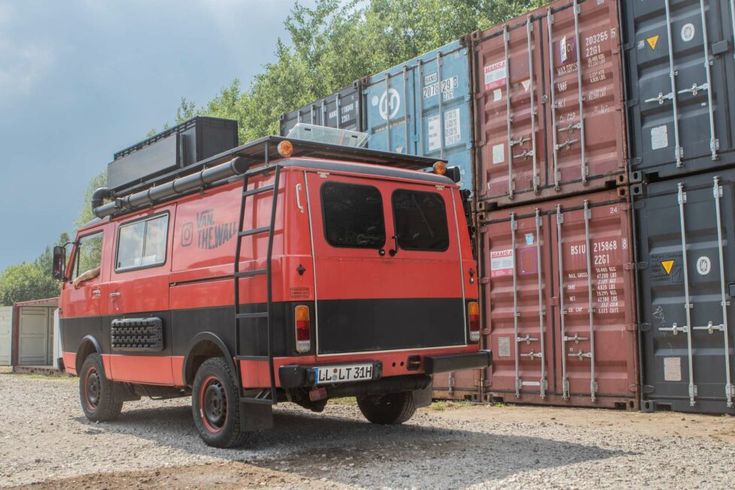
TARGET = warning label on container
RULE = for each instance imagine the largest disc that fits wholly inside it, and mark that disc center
(495, 75)
(501, 263)
(652, 41)
(672, 369)
(498, 154)
(659, 137)
(503, 346)
(667, 265)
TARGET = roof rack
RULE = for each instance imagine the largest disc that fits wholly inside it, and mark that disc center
(234, 162)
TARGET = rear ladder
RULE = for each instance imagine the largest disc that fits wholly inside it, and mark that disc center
(250, 319)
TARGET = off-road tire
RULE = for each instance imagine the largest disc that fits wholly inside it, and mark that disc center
(393, 408)
(97, 394)
(215, 404)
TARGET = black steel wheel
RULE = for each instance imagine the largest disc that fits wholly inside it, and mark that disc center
(215, 404)
(96, 392)
(393, 408)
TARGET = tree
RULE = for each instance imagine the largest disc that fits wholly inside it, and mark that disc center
(25, 282)
(86, 215)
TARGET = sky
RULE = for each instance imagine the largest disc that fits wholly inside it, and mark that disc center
(81, 79)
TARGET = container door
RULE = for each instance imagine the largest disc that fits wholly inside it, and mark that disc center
(516, 281)
(443, 108)
(373, 293)
(687, 278)
(509, 111)
(6, 325)
(596, 315)
(585, 89)
(387, 104)
(33, 333)
(680, 84)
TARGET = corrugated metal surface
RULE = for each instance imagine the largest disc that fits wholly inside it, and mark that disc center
(35, 335)
(423, 107)
(560, 321)
(686, 303)
(458, 385)
(339, 110)
(6, 326)
(546, 129)
(681, 115)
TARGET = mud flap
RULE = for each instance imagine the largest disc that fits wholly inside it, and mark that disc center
(422, 398)
(255, 416)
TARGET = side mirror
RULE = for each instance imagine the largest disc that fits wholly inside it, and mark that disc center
(59, 262)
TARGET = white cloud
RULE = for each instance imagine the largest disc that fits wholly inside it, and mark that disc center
(21, 67)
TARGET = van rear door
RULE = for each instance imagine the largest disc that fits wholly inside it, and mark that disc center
(388, 265)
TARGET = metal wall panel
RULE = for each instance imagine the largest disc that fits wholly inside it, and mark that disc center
(459, 385)
(339, 110)
(35, 333)
(681, 77)
(686, 271)
(6, 328)
(559, 320)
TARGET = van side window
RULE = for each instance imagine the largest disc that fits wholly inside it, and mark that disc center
(142, 243)
(89, 254)
(420, 220)
(353, 215)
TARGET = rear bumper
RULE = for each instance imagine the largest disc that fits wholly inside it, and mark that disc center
(298, 376)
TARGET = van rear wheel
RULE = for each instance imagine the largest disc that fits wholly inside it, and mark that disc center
(393, 408)
(215, 404)
(97, 393)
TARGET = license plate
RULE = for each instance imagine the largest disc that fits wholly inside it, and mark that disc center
(344, 373)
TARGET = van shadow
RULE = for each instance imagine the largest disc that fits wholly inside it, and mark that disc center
(348, 451)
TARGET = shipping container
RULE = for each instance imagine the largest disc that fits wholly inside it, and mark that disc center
(423, 107)
(560, 320)
(681, 77)
(459, 385)
(339, 110)
(549, 107)
(685, 232)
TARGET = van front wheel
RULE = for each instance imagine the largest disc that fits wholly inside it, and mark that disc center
(393, 408)
(215, 404)
(96, 392)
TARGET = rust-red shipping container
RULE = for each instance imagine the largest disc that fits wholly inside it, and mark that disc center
(548, 126)
(459, 385)
(561, 321)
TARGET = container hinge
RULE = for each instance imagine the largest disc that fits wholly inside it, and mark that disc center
(675, 329)
(711, 328)
(641, 266)
(580, 355)
(644, 327)
(527, 339)
(629, 266)
(576, 339)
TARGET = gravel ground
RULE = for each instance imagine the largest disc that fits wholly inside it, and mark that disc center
(46, 442)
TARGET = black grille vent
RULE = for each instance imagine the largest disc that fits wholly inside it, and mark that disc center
(137, 334)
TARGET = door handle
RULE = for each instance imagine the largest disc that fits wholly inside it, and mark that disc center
(115, 294)
(96, 292)
(298, 198)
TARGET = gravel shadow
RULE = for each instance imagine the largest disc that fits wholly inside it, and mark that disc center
(337, 449)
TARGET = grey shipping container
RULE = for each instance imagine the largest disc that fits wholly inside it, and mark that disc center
(680, 83)
(175, 148)
(686, 283)
(339, 110)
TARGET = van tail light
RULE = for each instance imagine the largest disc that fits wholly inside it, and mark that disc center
(303, 329)
(473, 318)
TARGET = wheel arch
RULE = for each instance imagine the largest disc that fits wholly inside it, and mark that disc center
(88, 345)
(205, 345)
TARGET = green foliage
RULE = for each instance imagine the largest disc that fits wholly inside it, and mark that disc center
(336, 42)
(24, 282)
(85, 215)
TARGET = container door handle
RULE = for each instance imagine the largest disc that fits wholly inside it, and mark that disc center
(298, 198)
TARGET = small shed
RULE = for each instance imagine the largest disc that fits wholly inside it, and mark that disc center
(33, 332)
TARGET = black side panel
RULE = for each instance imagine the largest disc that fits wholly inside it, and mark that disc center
(651, 100)
(339, 110)
(662, 289)
(389, 324)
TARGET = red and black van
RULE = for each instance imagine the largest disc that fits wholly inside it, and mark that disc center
(280, 270)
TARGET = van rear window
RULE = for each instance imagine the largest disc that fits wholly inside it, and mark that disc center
(142, 243)
(353, 215)
(420, 220)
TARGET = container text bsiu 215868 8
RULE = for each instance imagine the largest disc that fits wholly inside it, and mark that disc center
(549, 108)
(558, 288)
(685, 230)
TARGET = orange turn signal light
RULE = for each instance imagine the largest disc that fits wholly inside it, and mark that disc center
(440, 168)
(285, 148)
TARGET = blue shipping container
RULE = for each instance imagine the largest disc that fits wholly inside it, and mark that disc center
(404, 112)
